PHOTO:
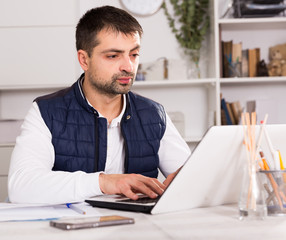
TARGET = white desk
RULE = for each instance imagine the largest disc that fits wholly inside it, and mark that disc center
(203, 223)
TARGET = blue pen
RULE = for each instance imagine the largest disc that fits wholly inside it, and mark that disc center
(69, 205)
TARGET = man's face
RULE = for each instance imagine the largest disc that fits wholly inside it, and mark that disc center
(113, 64)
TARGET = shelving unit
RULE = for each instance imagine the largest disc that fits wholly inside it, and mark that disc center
(193, 98)
(13, 96)
(253, 33)
(5, 151)
(253, 80)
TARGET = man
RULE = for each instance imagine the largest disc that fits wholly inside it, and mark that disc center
(96, 137)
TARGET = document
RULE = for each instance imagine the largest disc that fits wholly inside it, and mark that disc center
(41, 212)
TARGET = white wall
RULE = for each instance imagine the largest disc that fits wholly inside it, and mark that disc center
(38, 48)
(37, 41)
(158, 40)
(38, 45)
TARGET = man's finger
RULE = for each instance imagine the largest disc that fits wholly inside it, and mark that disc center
(150, 186)
(129, 193)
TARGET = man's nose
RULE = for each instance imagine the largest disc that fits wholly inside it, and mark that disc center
(126, 65)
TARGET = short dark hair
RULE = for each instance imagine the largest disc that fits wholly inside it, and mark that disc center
(106, 17)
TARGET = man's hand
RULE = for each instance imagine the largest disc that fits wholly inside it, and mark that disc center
(130, 184)
(170, 177)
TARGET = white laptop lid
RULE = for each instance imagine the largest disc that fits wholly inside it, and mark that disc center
(212, 176)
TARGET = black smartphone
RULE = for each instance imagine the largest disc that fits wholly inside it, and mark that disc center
(90, 222)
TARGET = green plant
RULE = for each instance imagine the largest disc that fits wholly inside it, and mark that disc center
(192, 17)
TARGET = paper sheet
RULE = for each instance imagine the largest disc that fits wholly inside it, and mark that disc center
(38, 212)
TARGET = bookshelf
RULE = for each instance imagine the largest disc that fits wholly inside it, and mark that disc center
(253, 33)
(193, 98)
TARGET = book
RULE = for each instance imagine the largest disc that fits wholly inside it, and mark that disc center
(236, 61)
(244, 63)
(257, 59)
(226, 112)
(253, 60)
(236, 111)
(236, 52)
(226, 57)
(233, 122)
(251, 106)
(223, 117)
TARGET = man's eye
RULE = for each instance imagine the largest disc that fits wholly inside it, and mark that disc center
(111, 56)
(135, 55)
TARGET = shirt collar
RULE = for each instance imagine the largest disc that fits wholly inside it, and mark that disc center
(116, 121)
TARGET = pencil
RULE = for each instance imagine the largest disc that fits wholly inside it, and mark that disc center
(282, 166)
(281, 162)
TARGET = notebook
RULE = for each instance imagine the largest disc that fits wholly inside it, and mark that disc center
(211, 176)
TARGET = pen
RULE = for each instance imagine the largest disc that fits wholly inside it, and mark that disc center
(69, 205)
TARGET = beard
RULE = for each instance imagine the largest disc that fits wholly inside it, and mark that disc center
(111, 88)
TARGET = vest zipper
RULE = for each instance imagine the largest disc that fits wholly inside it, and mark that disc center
(96, 149)
(125, 147)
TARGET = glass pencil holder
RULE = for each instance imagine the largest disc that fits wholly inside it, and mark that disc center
(274, 187)
(252, 204)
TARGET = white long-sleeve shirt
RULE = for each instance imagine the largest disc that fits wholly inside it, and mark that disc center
(31, 179)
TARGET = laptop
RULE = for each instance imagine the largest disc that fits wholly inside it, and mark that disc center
(211, 176)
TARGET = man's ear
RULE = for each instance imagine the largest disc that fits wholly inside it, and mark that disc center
(83, 59)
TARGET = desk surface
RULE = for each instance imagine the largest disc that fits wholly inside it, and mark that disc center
(219, 222)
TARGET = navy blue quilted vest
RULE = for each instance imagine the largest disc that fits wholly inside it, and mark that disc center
(79, 136)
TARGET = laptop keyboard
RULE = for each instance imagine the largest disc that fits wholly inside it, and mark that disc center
(140, 200)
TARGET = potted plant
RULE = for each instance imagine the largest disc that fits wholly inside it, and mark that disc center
(189, 23)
